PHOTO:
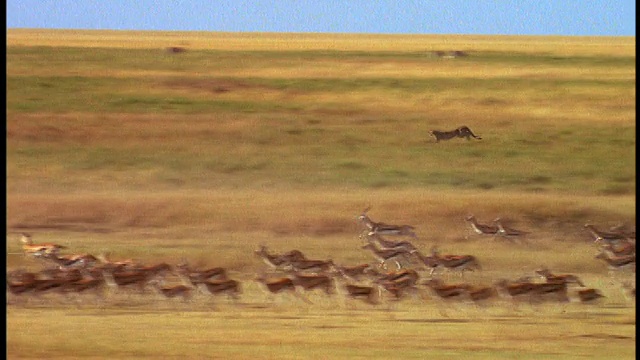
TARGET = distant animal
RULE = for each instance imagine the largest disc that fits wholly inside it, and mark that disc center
(461, 132)
(176, 49)
(449, 54)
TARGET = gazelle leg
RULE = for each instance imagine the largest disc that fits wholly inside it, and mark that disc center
(301, 297)
(398, 264)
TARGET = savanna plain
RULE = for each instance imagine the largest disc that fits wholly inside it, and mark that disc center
(116, 145)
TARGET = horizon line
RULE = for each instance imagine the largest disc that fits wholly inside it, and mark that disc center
(321, 32)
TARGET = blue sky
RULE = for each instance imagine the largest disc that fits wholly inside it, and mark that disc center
(488, 17)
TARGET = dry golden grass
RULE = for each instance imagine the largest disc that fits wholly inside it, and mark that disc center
(615, 46)
(321, 212)
(330, 333)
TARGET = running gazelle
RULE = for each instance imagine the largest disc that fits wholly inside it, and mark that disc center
(42, 249)
(381, 228)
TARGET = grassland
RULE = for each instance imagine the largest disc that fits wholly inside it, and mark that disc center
(114, 144)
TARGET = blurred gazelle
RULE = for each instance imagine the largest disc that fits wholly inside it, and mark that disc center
(459, 263)
(599, 235)
(384, 255)
(508, 232)
(481, 229)
(30, 248)
(546, 274)
(381, 228)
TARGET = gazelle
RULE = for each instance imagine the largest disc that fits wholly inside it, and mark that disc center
(30, 248)
(589, 295)
(400, 282)
(72, 261)
(459, 263)
(446, 292)
(277, 285)
(618, 262)
(618, 248)
(86, 283)
(408, 276)
(381, 243)
(124, 279)
(397, 291)
(384, 255)
(55, 283)
(197, 276)
(104, 258)
(604, 235)
(370, 294)
(381, 228)
(137, 277)
(533, 292)
(508, 232)
(389, 244)
(481, 229)
(622, 229)
(430, 262)
(314, 281)
(554, 290)
(311, 265)
(223, 286)
(70, 274)
(546, 274)
(183, 291)
(274, 261)
(480, 294)
(294, 255)
(514, 290)
(356, 272)
(21, 283)
(156, 270)
(398, 288)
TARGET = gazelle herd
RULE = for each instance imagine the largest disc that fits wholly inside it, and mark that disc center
(413, 273)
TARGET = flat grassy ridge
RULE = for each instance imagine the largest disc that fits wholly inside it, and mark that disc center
(115, 144)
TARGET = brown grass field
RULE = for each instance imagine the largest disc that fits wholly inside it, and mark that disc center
(116, 145)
